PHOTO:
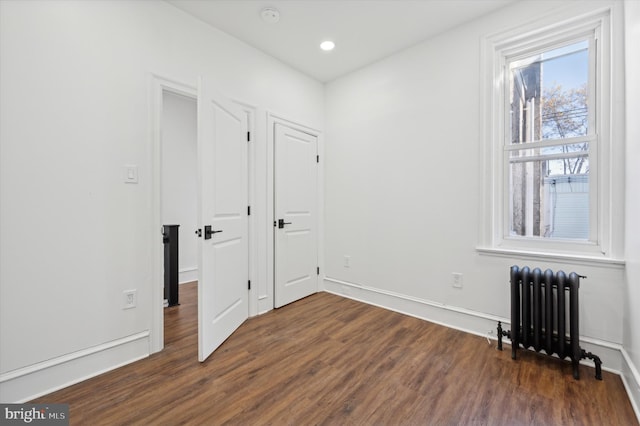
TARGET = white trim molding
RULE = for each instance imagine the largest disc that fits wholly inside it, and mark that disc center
(467, 320)
(33, 381)
(255, 228)
(631, 380)
(187, 275)
(549, 257)
(435, 312)
(157, 86)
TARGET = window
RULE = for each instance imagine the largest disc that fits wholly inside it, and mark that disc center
(550, 113)
(546, 168)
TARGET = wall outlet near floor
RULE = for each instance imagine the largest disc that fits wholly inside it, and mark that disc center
(130, 299)
(456, 279)
(347, 261)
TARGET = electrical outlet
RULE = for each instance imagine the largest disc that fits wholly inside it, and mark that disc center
(130, 299)
(347, 261)
(456, 279)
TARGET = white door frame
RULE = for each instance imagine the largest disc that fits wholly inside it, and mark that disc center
(253, 228)
(158, 86)
(272, 119)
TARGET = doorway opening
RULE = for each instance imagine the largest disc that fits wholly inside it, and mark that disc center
(178, 185)
(176, 160)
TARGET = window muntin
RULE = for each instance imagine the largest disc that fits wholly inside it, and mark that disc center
(548, 141)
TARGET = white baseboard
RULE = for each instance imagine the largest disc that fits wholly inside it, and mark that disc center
(187, 275)
(631, 380)
(27, 383)
(462, 319)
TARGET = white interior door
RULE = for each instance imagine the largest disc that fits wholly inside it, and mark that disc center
(223, 251)
(295, 192)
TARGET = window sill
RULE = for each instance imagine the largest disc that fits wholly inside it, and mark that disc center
(566, 258)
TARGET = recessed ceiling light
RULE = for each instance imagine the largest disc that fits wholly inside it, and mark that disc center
(270, 15)
(327, 45)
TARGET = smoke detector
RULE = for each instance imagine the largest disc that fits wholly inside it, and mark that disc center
(270, 15)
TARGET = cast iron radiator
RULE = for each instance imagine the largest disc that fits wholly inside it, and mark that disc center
(544, 316)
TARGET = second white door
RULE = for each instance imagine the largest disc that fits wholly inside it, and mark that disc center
(223, 252)
(295, 209)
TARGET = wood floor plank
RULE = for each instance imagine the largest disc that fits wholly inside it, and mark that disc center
(331, 360)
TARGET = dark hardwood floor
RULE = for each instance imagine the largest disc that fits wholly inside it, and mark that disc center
(331, 360)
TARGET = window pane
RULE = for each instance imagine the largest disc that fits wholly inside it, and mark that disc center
(547, 204)
(548, 94)
(571, 165)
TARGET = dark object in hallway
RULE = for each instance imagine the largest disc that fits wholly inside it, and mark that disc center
(170, 240)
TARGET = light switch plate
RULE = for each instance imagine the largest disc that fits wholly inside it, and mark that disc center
(456, 278)
(130, 173)
(130, 299)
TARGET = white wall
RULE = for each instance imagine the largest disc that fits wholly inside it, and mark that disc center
(180, 178)
(402, 198)
(632, 289)
(74, 107)
(74, 80)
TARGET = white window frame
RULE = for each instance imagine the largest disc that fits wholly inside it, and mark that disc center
(497, 50)
(517, 54)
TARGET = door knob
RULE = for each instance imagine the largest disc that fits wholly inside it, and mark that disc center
(282, 223)
(208, 232)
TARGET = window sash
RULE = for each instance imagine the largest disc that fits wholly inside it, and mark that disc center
(548, 157)
(591, 139)
(517, 56)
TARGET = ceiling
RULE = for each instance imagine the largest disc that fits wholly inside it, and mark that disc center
(364, 30)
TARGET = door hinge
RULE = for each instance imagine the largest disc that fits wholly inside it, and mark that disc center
(249, 284)
(317, 158)
(248, 136)
(318, 270)
(248, 210)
